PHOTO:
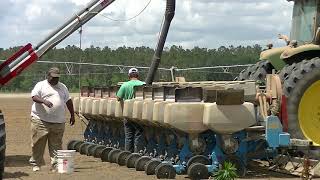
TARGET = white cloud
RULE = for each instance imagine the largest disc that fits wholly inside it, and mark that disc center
(204, 23)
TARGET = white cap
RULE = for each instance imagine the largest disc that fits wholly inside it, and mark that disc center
(133, 70)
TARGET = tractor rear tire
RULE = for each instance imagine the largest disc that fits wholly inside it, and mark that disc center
(256, 72)
(302, 87)
(286, 71)
(2, 144)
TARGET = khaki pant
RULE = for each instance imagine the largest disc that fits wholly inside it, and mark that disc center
(41, 133)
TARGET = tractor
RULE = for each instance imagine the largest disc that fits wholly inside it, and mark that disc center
(298, 66)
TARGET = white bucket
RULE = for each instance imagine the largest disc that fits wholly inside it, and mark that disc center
(65, 161)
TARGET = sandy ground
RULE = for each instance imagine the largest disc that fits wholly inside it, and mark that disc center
(16, 109)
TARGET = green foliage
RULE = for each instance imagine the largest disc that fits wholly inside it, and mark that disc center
(228, 172)
(138, 56)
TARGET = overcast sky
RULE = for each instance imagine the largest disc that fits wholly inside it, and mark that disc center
(203, 23)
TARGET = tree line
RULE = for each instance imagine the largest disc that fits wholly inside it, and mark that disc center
(174, 56)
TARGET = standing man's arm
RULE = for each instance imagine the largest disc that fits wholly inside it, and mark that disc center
(71, 110)
(38, 99)
(119, 98)
(69, 104)
(36, 96)
(121, 93)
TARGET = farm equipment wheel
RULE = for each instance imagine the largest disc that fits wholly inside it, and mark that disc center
(302, 89)
(97, 151)
(70, 145)
(112, 156)
(256, 72)
(82, 148)
(150, 168)
(104, 154)
(241, 168)
(122, 157)
(87, 148)
(77, 145)
(91, 150)
(286, 71)
(198, 171)
(131, 160)
(2, 144)
(141, 162)
(198, 159)
(165, 171)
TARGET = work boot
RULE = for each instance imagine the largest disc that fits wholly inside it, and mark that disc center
(54, 165)
(35, 168)
(32, 161)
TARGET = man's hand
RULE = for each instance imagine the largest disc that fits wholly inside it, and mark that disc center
(284, 37)
(47, 103)
(38, 99)
(72, 120)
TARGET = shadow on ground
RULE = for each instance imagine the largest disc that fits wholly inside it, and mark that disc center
(15, 175)
(17, 161)
(257, 172)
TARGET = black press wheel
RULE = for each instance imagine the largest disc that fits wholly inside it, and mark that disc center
(92, 150)
(198, 159)
(151, 166)
(131, 160)
(165, 171)
(76, 146)
(83, 147)
(89, 149)
(241, 169)
(70, 145)
(112, 156)
(98, 150)
(141, 162)
(104, 154)
(197, 171)
(122, 157)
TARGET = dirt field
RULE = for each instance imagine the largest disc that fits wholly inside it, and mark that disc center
(16, 109)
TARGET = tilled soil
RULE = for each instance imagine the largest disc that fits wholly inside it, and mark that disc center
(16, 109)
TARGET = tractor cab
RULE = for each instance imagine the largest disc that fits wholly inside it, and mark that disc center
(305, 20)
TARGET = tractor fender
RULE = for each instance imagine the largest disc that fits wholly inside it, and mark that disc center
(289, 52)
(273, 56)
